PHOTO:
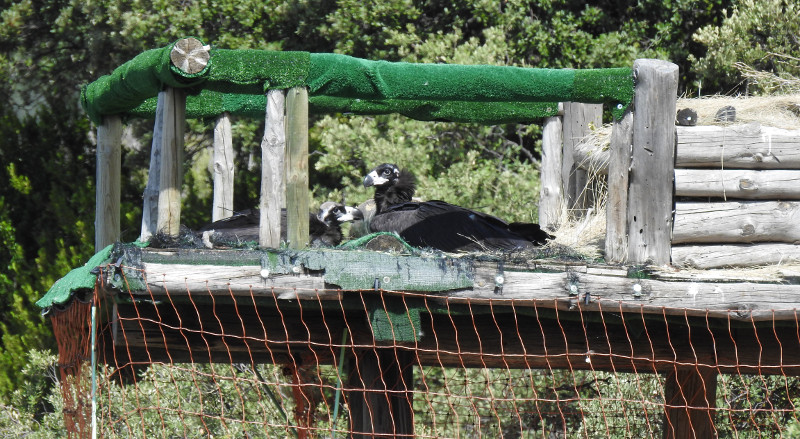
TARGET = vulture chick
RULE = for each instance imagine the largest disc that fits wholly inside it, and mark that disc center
(441, 225)
(324, 228)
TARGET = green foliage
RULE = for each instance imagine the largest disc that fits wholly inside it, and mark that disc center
(756, 33)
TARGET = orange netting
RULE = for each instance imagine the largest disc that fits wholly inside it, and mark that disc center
(308, 364)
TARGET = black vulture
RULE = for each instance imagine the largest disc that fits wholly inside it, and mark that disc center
(324, 228)
(440, 225)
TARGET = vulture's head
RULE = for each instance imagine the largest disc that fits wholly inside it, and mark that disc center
(384, 175)
(331, 213)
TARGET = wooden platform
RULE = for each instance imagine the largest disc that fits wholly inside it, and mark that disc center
(222, 305)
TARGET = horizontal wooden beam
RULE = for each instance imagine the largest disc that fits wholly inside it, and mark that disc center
(735, 255)
(749, 146)
(738, 183)
(736, 222)
(539, 284)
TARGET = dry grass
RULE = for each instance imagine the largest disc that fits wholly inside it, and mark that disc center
(782, 111)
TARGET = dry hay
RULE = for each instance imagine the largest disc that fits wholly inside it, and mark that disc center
(782, 111)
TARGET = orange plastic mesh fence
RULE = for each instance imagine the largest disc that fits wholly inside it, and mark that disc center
(310, 364)
(72, 329)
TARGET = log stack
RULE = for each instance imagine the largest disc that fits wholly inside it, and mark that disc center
(737, 196)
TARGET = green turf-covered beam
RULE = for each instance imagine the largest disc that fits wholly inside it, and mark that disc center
(235, 81)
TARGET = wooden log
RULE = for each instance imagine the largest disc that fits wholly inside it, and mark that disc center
(379, 398)
(151, 190)
(109, 165)
(551, 196)
(297, 196)
(565, 289)
(190, 55)
(652, 172)
(748, 146)
(690, 397)
(171, 175)
(616, 243)
(223, 169)
(735, 255)
(182, 279)
(738, 183)
(578, 121)
(273, 150)
(592, 158)
(737, 222)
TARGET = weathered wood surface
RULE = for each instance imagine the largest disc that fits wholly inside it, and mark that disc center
(735, 255)
(181, 279)
(652, 172)
(171, 174)
(223, 169)
(738, 183)
(616, 242)
(273, 151)
(551, 195)
(297, 197)
(592, 158)
(109, 164)
(578, 121)
(190, 55)
(690, 396)
(737, 222)
(746, 146)
(561, 286)
(151, 191)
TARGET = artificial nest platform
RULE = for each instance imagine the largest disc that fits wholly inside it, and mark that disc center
(164, 299)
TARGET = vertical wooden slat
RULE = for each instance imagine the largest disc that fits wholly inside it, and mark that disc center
(551, 196)
(690, 397)
(273, 149)
(297, 198)
(109, 164)
(169, 199)
(223, 169)
(150, 196)
(617, 199)
(578, 121)
(650, 193)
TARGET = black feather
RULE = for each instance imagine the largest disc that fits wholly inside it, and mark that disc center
(324, 229)
(441, 225)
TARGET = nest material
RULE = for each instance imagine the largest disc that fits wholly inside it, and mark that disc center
(781, 111)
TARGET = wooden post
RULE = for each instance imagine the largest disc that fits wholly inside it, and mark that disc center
(617, 198)
(297, 198)
(650, 194)
(384, 408)
(150, 196)
(690, 397)
(109, 164)
(273, 149)
(578, 121)
(171, 175)
(551, 197)
(223, 169)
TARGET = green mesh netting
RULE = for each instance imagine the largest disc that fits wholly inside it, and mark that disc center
(359, 270)
(234, 81)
